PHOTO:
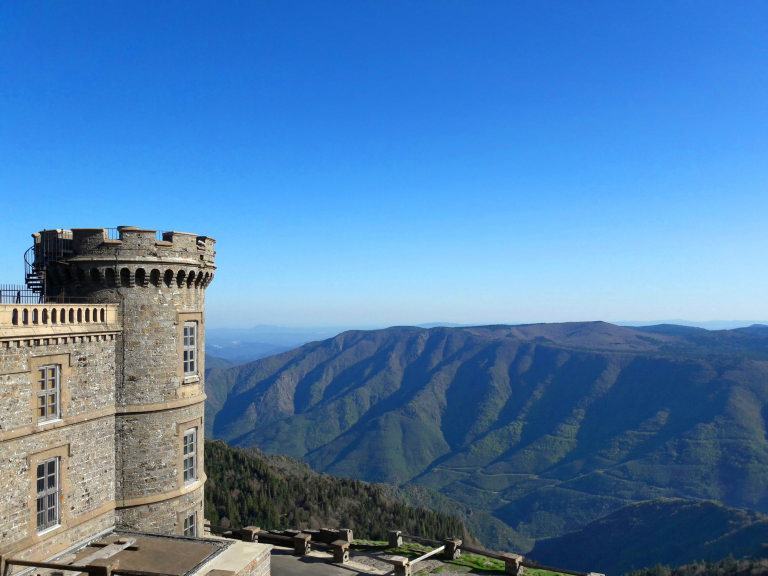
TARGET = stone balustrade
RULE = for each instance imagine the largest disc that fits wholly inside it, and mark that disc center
(18, 321)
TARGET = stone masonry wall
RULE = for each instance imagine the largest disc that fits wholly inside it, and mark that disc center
(165, 517)
(87, 381)
(152, 338)
(149, 451)
(86, 452)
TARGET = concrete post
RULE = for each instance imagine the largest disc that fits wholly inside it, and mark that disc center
(250, 534)
(395, 538)
(301, 546)
(402, 565)
(340, 550)
(513, 564)
(345, 534)
(452, 549)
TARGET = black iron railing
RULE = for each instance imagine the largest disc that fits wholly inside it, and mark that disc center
(19, 294)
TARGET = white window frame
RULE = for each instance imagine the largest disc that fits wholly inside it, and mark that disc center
(190, 455)
(190, 524)
(47, 501)
(48, 391)
(190, 349)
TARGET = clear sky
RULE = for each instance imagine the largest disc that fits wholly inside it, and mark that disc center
(400, 162)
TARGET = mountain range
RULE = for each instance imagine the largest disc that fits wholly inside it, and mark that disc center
(545, 428)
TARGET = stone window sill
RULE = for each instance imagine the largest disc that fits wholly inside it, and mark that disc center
(47, 530)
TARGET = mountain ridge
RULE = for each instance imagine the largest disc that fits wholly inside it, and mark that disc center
(547, 427)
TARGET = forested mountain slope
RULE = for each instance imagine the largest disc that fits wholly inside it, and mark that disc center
(549, 427)
(247, 487)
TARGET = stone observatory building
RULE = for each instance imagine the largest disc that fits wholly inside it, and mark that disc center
(102, 364)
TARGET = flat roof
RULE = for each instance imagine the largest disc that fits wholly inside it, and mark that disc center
(149, 553)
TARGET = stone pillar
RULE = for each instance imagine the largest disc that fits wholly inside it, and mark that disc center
(301, 544)
(395, 538)
(250, 534)
(513, 564)
(340, 550)
(402, 565)
(452, 549)
(345, 534)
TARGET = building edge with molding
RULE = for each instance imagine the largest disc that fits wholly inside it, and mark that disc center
(102, 394)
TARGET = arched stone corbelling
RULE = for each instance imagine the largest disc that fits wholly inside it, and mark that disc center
(154, 277)
(180, 278)
(109, 277)
(125, 277)
(140, 277)
(168, 278)
(96, 276)
(191, 279)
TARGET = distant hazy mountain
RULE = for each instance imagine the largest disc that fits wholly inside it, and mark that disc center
(548, 427)
(707, 324)
(672, 532)
(241, 345)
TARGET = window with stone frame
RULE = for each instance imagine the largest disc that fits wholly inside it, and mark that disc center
(190, 525)
(190, 349)
(48, 393)
(190, 455)
(48, 494)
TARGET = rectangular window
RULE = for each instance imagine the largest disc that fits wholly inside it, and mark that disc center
(190, 348)
(47, 494)
(190, 525)
(190, 455)
(48, 388)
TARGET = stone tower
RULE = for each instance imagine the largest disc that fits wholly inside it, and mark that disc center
(158, 281)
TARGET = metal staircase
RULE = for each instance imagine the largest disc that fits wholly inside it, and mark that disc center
(50, 246)
(34, 273)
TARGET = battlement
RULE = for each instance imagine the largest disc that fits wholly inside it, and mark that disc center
(130, 242)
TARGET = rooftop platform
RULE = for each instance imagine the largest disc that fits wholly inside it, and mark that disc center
(138, 554)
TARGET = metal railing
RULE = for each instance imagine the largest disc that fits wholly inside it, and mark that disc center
(19, 294)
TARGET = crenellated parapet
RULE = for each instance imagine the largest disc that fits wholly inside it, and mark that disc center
(173, 246)
(90, 260)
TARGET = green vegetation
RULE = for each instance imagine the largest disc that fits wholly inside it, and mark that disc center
(246, 487)
(483, 563)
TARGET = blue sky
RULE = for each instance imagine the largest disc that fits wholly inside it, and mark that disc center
(376, 163)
